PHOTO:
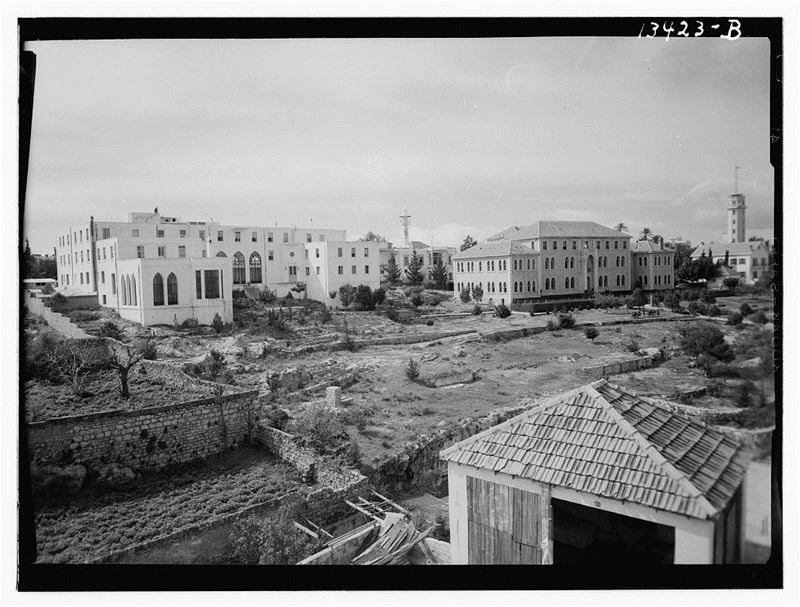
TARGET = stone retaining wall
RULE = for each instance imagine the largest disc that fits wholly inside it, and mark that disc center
(624, 366)
(147, 439)
(57, 321)
(392, 340)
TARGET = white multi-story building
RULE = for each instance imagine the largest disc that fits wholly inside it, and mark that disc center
(653, 265)
(158, 270)
(749, 260)
(429, 254)
(548, 260)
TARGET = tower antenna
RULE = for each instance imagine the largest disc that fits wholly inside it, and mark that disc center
(736, 168)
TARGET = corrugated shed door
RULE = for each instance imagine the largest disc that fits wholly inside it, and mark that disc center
(506, 525)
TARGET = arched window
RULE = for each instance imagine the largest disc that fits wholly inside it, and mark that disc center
(133, 290)
(546, 281)
(255, 268)
(529, 263)
(572, 262)
(238, 269)
(546, 263)
(528, 284)
(158, 290)
(617, 279)
(122, 291)
(534, 285)
(221, 254)
(566, 263)
(553, 263)
(172, 289)
(128, 295)
(566, 283)
(572, 283)
(622, 262)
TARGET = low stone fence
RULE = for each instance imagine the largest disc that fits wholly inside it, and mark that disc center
(284, 446)
(391, 340)
(448, 378)
(624, 366)
(57, 321)
(146, 439)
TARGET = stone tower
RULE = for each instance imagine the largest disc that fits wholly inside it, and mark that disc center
(405, 221)
(736, 221)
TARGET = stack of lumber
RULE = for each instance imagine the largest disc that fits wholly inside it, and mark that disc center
(397, 537)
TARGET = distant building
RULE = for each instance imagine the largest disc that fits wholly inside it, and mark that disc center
(678, 240)
(594, 476)
(155, 269)
(653, 267)
(748, 259)
(550, 260)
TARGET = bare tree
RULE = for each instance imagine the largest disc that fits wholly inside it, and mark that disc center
(621, 227)
(123, 356)
(71, 360)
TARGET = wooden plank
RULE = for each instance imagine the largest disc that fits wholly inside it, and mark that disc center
(388, 501)
(360, 509)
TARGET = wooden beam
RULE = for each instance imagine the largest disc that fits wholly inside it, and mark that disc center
(387, 500)
(360, 509)
(306, 530)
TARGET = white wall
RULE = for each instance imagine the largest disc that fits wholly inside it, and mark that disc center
(694, 538)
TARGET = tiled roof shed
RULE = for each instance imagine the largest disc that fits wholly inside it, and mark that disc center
(609, 442)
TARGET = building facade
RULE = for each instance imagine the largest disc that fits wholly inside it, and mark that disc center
(547, 259)
(653, 265)
(749, 260)
(92, 258)
(430, 256)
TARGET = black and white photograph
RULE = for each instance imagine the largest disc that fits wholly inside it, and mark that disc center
(435, 292)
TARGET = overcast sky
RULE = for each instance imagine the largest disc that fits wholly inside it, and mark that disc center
(471, 135)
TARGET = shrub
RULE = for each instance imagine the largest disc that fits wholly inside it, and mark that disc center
(416, 300)
(149, 351)
(672, 301)
(503, 311)
(591, 333)
(759, 317)
(707, 297)
(552, 325)
(83, 316)
(734, 318)
(347, 294)
(412, 370)
(421, 411)
(110, 329)
(320, 427)
(566, 320)
(212, 365)
(713, 310)
(744, 395)
(266, 295)
(277, 417)
(217, 324)
(190, 323)
(58, 303)
(716, 388)
(745, 309)
(477, 310)
(379, 296)
(692, 307)
(464, 295)
(429, 322)
(364, 297)
(325, 315)
(271, 540)
(631, 345)
(705, 338)
(38, 354)
(692, 295)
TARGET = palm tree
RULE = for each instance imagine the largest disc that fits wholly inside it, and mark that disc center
(621, 227)
(646, 233)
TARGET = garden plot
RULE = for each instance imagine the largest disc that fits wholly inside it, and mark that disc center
(91, 526)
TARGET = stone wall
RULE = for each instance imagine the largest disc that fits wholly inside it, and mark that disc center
(624, 366)
(421, 458)
(57, 321)
(147, 439)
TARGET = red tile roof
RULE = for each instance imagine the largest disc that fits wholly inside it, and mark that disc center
(604, 440)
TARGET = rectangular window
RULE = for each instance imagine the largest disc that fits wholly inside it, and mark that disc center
(270, 255)
(292, 270)
(203, 253)
(317, 270)
(316, 253)
(237, 236)
(219, 239)
(159, 233)
(212, 284)
(339, 251)
(564, 245)
(308, 237)
(203, 235)
(616, 244)
(198, 284)
(366, 269)
(181, 251)
(322, 237)
(162, 251)
(254, 236)
(269, 236)
(352, 251)
(81, 275)
(81, 256)
(104, 300)
(102, 278)
(341, 270)
(182, 233)
(352, 269)
(544, 245)
(106, 233)
(308, 271)
(286, 237)
(81, 235)
(140, 251)
(608, 244)
(113, 283)
(405, 260)
(555, 245)
(305, 253)
(366, 252)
